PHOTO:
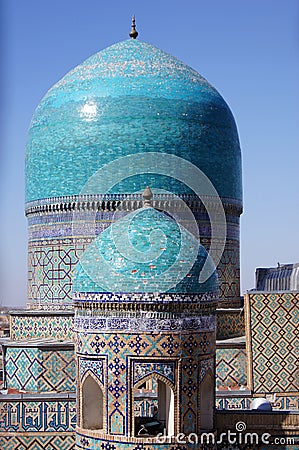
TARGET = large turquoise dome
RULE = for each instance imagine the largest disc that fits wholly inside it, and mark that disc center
(127, 99)
(146, 251)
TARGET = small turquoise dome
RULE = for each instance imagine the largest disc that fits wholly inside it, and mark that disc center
(146, 251)
(130, 98)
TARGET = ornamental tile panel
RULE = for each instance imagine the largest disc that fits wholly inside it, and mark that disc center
(230, 324)
(231, 368)
(38, 442)
(38, 370)
(37, 416)
(28, 327)
(274, 340)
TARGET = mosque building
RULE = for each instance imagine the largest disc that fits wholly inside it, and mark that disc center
(134, 323)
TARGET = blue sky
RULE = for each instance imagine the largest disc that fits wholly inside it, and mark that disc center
(249, 50)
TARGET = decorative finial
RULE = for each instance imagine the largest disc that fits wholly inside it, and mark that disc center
(147, 196)
(133, 33)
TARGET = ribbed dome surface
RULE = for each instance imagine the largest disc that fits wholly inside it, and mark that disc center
(147, 251)
(127, 99)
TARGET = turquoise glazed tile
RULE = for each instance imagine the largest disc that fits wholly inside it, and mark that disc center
(144, 252)
(127, 99)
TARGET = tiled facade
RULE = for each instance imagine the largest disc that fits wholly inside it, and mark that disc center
(50, 266)
(286, 402)
(118, 83)
(25, 416)
(124, 371)
(272, 334)
(131, 100)
(38, 441)
(127, 336)
(40, 370)
(28, 325)
(37, 424)
(118, 353)
(58, 239)
(231, 368)
(230, 323)
(22, 368)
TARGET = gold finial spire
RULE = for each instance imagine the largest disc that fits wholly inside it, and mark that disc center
(133, 33)
(147, 196)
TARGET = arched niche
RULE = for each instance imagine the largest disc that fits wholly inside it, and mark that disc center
(92, 404)
(157, 393)
(207, 403)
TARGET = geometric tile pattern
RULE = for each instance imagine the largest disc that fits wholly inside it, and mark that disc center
(58, 371)
(54, 250)
(142, 344)
(149, 297)
(23, 368)
(230, 324)
(37, 416)
(229, 273)
(40, 370)
(123, 349)
(228, 268)
(38, 442)
(274, 325)
(50, 270)
(231, 368)
(189, 393)
(189, 379)
(28, 326)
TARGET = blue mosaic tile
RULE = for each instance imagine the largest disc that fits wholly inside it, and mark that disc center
(37, 416)
(144, 252)
(36, 370)
(130, 98)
